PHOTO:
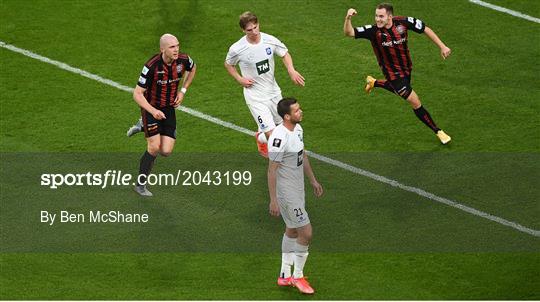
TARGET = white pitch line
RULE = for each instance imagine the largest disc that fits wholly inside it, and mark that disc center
(505, 10)
(322, 158)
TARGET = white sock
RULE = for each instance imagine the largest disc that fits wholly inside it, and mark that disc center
(262, 138)
(300, 256)
(287, 256)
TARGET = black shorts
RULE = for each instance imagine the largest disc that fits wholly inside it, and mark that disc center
(165, 126)
(402, 86)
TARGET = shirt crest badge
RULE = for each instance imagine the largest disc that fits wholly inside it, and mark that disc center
(401, 29)
(268, 51)
(179, 68)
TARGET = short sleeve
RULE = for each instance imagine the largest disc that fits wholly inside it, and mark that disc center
(189, 63)
(415, 25)
(232, 57)
(276, 147)
(364, 32)
(145, 77)
(279, 48)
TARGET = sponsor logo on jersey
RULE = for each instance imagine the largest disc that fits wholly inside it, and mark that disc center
(276, 143)
(165, 82)
(262, 67)
(394, 42)
(268, 51)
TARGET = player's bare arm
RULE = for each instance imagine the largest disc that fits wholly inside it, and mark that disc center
(296, 77)
(187, 82)
(347, 27)
(138, 96)
(234, 73)
(272, 174)
(317, 188)
(445, 51)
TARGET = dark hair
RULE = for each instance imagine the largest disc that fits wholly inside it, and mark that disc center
(284, 106)
(247, 17)
(388, 7)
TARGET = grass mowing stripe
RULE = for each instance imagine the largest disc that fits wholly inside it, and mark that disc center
(215, 120)
(322, 158)
(505, 10)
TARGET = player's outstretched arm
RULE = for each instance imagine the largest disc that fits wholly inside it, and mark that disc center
(445, 51)
(234, 73)
(317, 188)
(272, 171)
(347, 27)
(138, 96)
(296, 77)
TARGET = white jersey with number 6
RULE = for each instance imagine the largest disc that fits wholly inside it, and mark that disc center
(256, 62)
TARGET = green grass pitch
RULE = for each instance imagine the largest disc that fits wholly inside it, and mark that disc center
(371, 240)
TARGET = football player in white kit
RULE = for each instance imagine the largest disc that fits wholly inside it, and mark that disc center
(254, 53)
(287, 164)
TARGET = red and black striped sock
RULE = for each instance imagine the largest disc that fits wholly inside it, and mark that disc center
(424, 116)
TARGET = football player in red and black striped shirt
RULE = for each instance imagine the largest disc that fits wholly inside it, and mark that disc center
(158, 93)
(389, 36)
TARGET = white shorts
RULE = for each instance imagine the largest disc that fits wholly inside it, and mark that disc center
(294, 213)
(265, 113)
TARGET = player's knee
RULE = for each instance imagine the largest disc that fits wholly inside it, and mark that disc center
(153, 148)
(166, 149)
(304, 239)
(153, 145)
(165, 153)
(308, 237)
(305, 235)
(415, 103)
(291, 233)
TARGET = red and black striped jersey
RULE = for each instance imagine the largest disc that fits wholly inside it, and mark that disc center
(161, 81)
(390, 45)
